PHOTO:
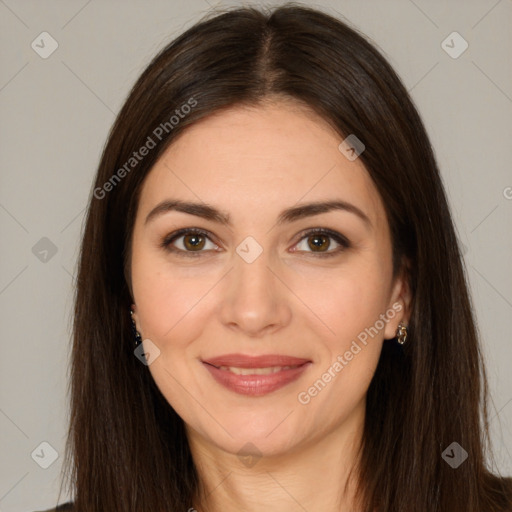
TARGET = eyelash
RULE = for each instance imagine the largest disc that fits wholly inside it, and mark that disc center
(337, 237)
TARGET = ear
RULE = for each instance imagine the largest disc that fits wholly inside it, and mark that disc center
(399, 304)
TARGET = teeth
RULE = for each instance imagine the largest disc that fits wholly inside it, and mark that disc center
(256, 371)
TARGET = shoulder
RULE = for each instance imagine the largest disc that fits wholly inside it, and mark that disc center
(65, 507)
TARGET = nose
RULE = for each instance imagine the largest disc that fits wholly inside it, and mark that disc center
(255, 300)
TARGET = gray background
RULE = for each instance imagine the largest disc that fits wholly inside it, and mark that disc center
(56, 113)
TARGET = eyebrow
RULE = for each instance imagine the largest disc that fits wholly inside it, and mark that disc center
(288, 215)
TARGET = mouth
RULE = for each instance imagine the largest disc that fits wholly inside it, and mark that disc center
(255, 376)
(255, 371)
(257, 362)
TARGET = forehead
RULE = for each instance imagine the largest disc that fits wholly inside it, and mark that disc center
(260, 159)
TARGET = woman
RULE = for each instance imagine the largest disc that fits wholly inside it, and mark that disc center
(271, 307)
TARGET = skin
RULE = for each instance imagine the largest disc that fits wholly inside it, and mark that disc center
(252, 163)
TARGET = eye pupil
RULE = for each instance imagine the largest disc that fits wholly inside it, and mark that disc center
(318, 242)
(195, 241)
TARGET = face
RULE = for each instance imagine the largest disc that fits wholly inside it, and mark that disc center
(252, 281)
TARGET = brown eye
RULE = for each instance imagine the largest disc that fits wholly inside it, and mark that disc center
(318, 241)
(193, 242)
(188, 242)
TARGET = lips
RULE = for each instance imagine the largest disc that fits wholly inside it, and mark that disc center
(255, 375)
(263, 361)
(255, 381)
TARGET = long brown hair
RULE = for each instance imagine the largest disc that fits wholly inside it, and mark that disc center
(127, 449)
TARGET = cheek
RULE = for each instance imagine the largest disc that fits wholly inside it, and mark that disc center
(350, 340)
(349, 302)
(345, 300)
(169, 300)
